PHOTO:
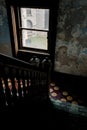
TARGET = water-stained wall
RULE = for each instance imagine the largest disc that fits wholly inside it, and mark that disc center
(5, 43)
(71, 39)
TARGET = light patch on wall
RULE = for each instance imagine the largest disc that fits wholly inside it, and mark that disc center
(71, 38)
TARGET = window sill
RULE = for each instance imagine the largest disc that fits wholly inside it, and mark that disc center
(34, 52)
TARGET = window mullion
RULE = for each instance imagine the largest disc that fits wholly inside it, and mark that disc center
(33, 29)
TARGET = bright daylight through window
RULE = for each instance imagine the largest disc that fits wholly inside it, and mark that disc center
(34, 27)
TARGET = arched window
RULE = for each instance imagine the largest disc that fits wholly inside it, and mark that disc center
(29, 24)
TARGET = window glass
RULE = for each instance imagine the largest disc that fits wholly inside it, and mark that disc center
(34, 39)
(34, 28)
(39, 18)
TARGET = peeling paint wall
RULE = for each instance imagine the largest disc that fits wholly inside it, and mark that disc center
(5, 43)
(71, 39)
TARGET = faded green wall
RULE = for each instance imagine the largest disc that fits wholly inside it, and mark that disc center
(5, 43)
(71, 39)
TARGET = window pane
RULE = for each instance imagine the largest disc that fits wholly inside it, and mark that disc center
(34, 39)
(35, 18)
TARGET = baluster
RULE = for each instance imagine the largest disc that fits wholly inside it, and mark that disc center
(21, 83)
(38, 81)
(44, 83)
(32, 77)
(16, 86)
(44, 79)
(37, 77)
(1, 88)
(12, 90)
(22, 86)
(2, 92)
(41, 81)
(29, 83)
(10, 86)
(5, 102)
(29, 78)
(25, 82)
(33, 83)
(3, 85)
(7, 92)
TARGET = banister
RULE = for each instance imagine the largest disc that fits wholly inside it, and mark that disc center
(22, 81)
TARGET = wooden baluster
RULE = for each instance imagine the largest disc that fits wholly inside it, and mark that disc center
(7, 92)
(29, 82)
(40, 82)
(2, 93)
(17, 83)
(37, 82)
(34, 84)
(43, 79)
(22, 86)
(31, 72)
(24, 77)
(10, 86)
(37, 78)
(33, 90)
(25, 82)
(5, 103)
(16, 86)
(1, 88)
(26, 85)
(21, 83)
(44, 83)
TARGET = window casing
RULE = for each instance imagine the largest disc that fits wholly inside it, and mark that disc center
(17, 30)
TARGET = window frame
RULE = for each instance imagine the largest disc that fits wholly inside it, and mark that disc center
(53, 7)
(22, 28)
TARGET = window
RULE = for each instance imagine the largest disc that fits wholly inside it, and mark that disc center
(28, 12)
(32, 27)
